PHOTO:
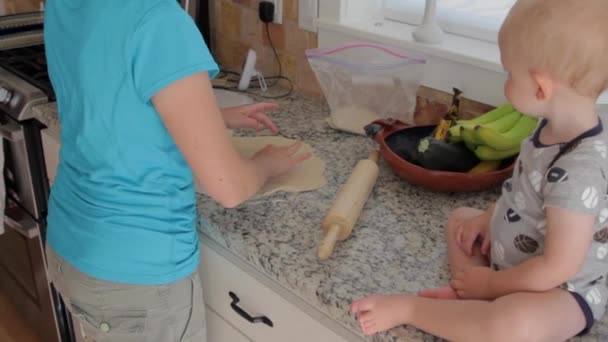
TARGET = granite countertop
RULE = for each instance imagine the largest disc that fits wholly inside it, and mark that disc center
(47, 114)
(396, 247)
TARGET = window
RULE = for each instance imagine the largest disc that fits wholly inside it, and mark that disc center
(479, 19)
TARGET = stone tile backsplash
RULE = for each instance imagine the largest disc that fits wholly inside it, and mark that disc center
(235, 28)
(432, 104)
(10, 7)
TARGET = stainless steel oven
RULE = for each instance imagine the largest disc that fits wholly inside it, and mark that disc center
(24, 83)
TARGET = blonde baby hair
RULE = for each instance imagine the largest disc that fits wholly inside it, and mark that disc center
(568, 39)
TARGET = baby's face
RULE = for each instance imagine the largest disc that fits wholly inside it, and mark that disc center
(521, 89)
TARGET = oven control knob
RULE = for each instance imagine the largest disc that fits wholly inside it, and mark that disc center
(5, 95)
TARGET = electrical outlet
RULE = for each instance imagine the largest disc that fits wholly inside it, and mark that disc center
(308, 11)
(278, 11)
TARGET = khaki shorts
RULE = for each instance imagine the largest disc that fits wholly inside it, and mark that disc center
(114, 312)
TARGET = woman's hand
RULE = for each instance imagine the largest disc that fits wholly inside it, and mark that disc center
(250, 116)
(281, 159)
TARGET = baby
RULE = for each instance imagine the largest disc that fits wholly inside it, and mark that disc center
(534, 266)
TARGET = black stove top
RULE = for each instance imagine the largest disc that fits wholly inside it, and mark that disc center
(29, 63)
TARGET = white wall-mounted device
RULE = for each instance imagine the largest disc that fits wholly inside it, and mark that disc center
(278, 11)
(249, 72)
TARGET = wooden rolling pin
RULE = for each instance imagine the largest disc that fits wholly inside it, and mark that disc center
(341, 218)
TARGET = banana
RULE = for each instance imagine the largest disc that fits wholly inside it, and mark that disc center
(454, 132)
(441, 131)
(486, 153)
(449, 119)
(504, 123)
(470, 146)
(469, 136)
(453, 135)
(486, 166)
(489, 116)
(508, 140)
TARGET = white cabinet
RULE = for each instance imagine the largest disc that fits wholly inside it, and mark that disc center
(283, 320)
(219, 330)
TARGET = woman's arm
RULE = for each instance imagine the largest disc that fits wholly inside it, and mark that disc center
(189, 111)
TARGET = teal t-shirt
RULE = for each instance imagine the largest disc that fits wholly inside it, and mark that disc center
(123, 207)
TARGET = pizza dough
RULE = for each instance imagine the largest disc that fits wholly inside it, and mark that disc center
(307, 176)
(352, 119)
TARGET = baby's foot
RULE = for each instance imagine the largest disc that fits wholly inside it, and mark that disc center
(380, 313)
(446, 292)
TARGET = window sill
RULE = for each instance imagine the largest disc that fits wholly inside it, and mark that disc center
(480, 56)
(456, 48)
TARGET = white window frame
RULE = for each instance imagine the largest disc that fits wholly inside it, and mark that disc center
(472, 65)
(455, 22)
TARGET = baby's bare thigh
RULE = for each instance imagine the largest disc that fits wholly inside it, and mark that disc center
(547, 316)
(458, 215)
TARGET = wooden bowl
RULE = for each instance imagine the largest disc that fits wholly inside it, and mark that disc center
(386, 132)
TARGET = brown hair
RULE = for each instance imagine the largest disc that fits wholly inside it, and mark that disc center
(568, 39)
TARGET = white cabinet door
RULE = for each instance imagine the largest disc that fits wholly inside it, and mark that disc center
(220, 331)
(285, 321)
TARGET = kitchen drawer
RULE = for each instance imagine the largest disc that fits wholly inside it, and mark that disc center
(220, 277)
(218, 330)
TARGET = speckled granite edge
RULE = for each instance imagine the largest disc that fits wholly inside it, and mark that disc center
(396, 247)
(47, 114)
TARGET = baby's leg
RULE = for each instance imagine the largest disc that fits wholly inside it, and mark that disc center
(549, 316)
(457, 259)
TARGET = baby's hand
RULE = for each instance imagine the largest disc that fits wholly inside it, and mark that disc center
(473, 283)
(472, 229)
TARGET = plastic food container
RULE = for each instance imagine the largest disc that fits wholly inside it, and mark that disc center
(367, 81)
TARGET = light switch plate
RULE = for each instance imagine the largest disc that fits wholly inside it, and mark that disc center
(278, 11)
(308, 11)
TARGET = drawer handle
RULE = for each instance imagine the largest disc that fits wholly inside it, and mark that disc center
(245, 315)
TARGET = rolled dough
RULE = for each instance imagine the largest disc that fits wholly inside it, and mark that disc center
(308, 176)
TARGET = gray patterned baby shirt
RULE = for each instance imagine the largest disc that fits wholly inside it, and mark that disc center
(570, 176)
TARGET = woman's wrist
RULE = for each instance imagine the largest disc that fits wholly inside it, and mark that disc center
(262, 169)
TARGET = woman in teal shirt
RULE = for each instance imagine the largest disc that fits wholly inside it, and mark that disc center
(139, 122)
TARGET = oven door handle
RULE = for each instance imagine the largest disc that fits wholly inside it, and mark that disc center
(17, 220)
(11, 131)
